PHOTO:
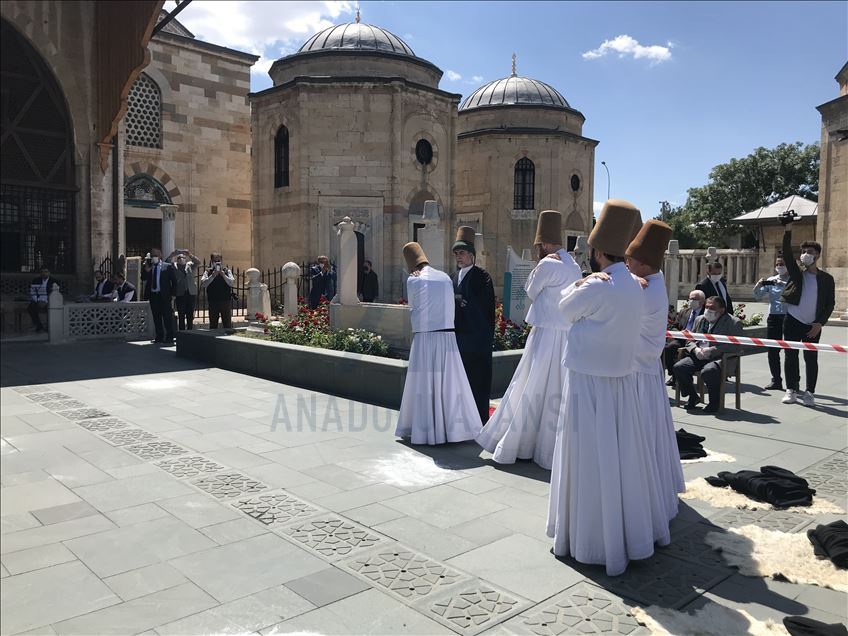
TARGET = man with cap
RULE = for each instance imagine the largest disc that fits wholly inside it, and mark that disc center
(605, 504)
(524, 424)
(644, 258)
(475, 318)
(437, 404)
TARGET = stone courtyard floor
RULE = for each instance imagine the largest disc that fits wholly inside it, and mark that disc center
(144, 492)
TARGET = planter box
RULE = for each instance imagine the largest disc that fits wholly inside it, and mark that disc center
(354, 376)
(391, 322)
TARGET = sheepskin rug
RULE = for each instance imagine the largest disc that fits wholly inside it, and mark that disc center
(712, 456)
(728, 498)
(771, 554)
(711, 620)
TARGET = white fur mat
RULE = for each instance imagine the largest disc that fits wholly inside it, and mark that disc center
(712, 456)
(710, 620)
(729, 498)
(768, 553)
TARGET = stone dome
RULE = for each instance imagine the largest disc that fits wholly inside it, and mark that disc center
(515, 91)
(356, 36)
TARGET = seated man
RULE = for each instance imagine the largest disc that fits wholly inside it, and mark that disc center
(102, 288)
(39, 289)
(685, 320)
(705, 356)
(123, 292)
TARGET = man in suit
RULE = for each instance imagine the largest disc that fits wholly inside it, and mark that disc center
(323, 282)
(475, 318)
(370, 284)
(705, 356)
(685, 319)
(102, 287)
(715, 285)
(161, 283)
(123, 291)
(39, 289)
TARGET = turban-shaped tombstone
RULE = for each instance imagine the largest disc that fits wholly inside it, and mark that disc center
(290, 272)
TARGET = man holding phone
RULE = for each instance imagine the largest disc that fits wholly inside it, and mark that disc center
(772, 287)
(218, 282)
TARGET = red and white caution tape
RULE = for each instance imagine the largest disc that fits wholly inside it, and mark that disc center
(756, 342)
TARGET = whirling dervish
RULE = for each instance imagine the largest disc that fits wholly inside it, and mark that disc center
(524, 424)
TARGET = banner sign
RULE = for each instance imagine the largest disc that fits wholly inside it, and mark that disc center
(515, 301)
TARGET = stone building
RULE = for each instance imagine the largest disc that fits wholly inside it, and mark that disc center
(187, 142)
(356, 125)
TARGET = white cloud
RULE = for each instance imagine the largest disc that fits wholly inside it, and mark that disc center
(624, 46)
(597, 206)
(476, 79)
(453, 76)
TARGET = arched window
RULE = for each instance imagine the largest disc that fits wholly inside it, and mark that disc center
(143, 191)
(144, 114)
(525, 182)
(281, 158)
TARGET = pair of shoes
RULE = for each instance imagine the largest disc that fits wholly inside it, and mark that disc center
(807, 399)
(775, 385)
(670, 381)
(710, 408)
(693, 402)
(790, 397)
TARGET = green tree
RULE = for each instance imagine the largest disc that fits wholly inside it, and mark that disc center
(681, 223)
(742, 185)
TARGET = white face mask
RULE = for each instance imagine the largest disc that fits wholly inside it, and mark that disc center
(715, 277)
(780, 269)
(807, 259)
(711, 315)
(694, 303)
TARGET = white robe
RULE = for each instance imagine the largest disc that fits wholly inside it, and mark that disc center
(605, 505)
(524, 424)
(437, 404)
(654, 409)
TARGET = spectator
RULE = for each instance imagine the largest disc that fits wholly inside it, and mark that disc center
(186, 299)
(39, 289)
(772, 287)
(370, 285)
(715, 285)
(123, 291)
(161, 284)
(218, 282)
(323, 282)
(102, 287)
(685, 320)
(705, 357)
(810, 296)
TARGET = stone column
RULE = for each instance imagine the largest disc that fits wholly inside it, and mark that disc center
(169, 229)
(672, 273)
(347, 272)
(290, 271)
(55, 316)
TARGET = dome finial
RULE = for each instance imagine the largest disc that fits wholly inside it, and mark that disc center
(357, 13)
(513, 64)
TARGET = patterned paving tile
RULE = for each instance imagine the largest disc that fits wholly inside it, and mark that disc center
(769, 519)
(125, 436)
(62, 405)
(582, 609)
(184, 467)
(229, 485)
(689, 545)
(274, 508)
(332, 537)
(105, 424)
(47, 396)
(831, 486)
(36, 388)
(406, 573)
(474, 607)
(83, 414)
(156, 450)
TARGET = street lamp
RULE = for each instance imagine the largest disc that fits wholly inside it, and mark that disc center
(604, 164)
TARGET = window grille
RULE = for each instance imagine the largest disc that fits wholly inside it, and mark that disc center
(525, 182)
(144, 115)
(281, 158)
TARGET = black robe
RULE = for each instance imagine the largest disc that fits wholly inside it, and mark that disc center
(475, 332)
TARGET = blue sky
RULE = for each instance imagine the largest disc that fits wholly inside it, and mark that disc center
(690, 86)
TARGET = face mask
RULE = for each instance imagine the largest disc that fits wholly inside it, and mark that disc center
(715, 277)
(154, 260)
(711, 315)
(807, 259)
(780, 269)
(695, 304)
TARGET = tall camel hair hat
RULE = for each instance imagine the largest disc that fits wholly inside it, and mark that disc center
(614, 229)
(549, 228)
(650, 243)
(414, 256)
(464, 239)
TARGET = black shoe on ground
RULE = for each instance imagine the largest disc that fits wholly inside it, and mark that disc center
(775, 385)
(710, 408)
(692, 404)
(670, 381)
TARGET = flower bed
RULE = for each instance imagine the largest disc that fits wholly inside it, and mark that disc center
(509, 335)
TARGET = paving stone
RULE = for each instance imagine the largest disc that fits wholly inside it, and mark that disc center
(184, 467)
(63, 405)
(275, 508)
(582, 609)
(403, 572)
(28, 390)
(105, 424)
(126, 436)
(65, 512)
(474, 607)
(768, 519)
(689, 545)
(327, 586)
(332, 537)
(47, 396)
(37, 558)
(228, 485)
(156, 450)
(83, 414)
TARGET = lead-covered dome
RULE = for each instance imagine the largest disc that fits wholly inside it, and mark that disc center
(515, 91)
(356, 36)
